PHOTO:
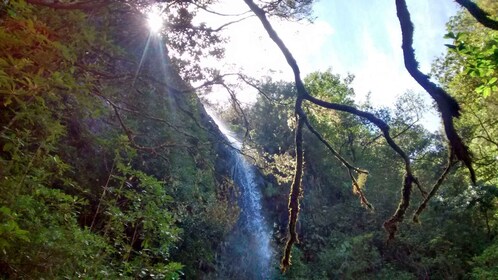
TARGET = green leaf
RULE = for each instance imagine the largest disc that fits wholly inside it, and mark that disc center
(449, 35)
(8, 147)
(486, 92)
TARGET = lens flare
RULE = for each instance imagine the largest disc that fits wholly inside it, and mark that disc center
(155, 21)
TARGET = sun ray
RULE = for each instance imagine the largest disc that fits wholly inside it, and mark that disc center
(155, 20)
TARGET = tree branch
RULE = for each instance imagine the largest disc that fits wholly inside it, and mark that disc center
(131, 137)
(238, 108)
(435, 188)
(302, 94)
(203, 7)
(479, 14)
(76, 5)
(296, 188)
(357, 188)
(230, 23)
(448, 107)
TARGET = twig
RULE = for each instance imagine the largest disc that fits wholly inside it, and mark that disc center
(435, 188)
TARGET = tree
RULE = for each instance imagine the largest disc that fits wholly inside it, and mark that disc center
(446, 105)
(183, 37)
(87, 190)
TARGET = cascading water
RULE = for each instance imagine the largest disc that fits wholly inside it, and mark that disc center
(248, 254)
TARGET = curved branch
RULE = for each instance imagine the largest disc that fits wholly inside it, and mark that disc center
(390, 225)
(384, 127)
(246, 80)
(205, 8)
(479, 14)
(302, 94)
(223, 26)
(435, 188)
(331, 149)
(77, 5)
(238, 108)
(260, 13)
(357, 189)
(448, 107)
(131, 137)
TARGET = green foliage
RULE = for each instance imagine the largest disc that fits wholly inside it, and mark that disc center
(480, 61)
(469, 72)
(350, 258)
(339, 239)
(80, 195)
(95, 186)
(485, 264)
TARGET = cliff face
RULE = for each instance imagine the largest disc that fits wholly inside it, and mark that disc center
(109, 165)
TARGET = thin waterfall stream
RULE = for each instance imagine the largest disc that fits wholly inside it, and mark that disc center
(248, 253)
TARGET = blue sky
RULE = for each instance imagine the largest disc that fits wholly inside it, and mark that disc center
(361, 37)
(366, 41)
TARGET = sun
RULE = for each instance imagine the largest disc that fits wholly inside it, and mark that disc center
(154, 21)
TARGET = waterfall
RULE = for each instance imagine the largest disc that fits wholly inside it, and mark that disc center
(249, 252)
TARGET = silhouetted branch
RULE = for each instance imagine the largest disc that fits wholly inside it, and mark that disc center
(448, 107)
(246, 80)
(238, 108)
(302, 94)
(435, 188)
(76, 5)
(356, 186)
(221, 27)
(203, 7)
(479, 14)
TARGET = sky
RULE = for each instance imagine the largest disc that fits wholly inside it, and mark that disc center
(361, 37)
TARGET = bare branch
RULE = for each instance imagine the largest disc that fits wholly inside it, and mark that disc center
(435, 188)
(204, 8)
(260, 13)
(296, 189)
(230, 23)
(448, 107)
(408, 127)
(488, 136)
(76, 5)
(479, 14)
(147, 116)
(356, 186)
(302, 94)
(131, 137)
(238, 108)
(331, 149)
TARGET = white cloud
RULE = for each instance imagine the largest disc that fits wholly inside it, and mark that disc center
(372, 44)
(250, 48)
(381, 73)
(251, 51)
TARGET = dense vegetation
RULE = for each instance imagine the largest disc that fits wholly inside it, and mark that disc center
(454, 238)
(111, 169)
(343, 239)
(105, 173)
